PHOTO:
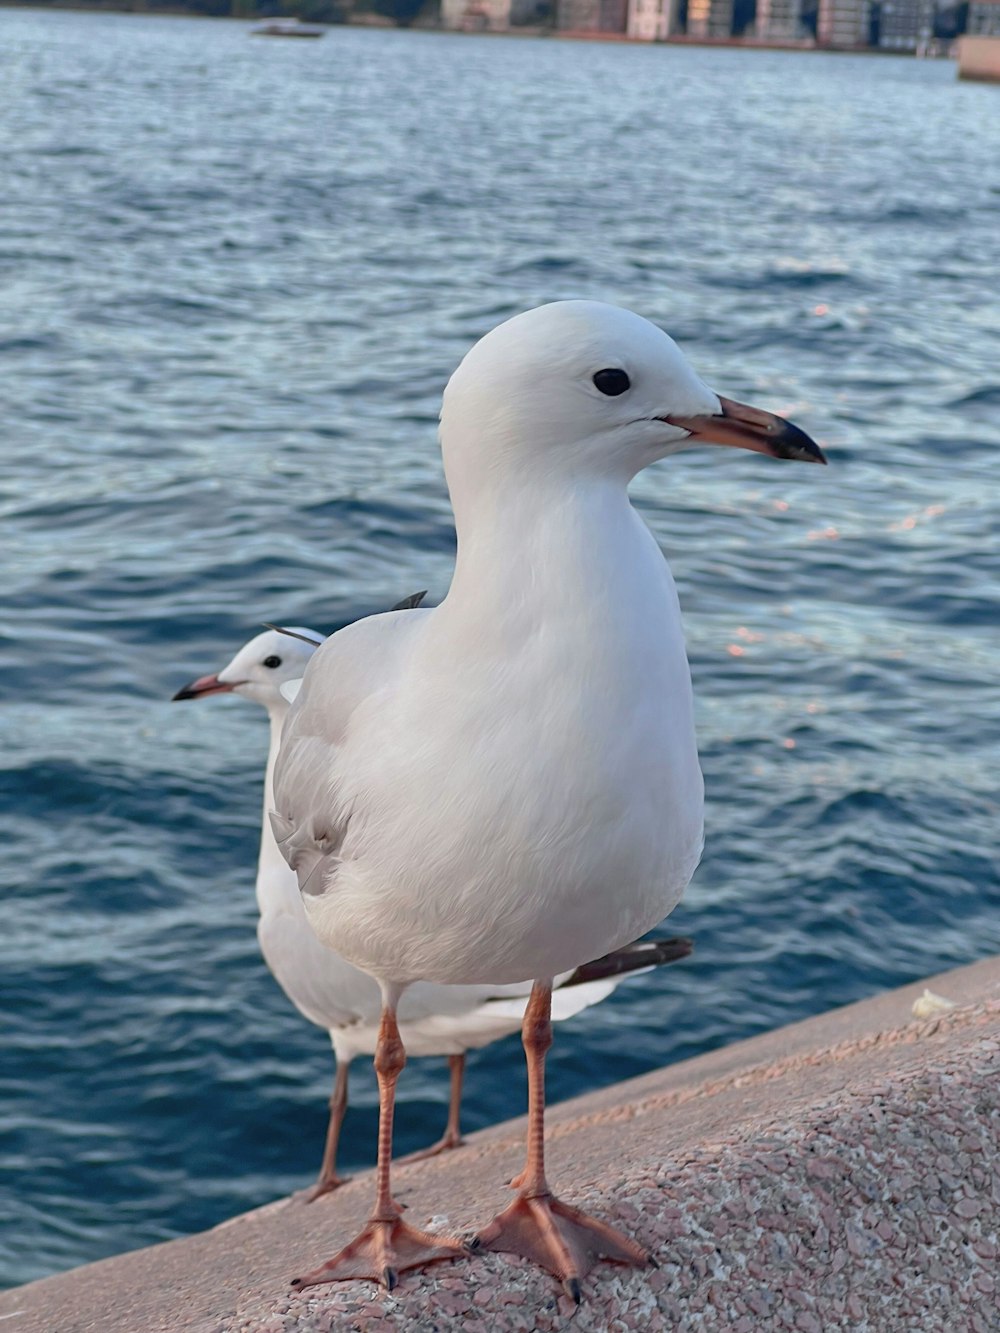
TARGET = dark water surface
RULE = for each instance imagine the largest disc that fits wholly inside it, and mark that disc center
(235, 276)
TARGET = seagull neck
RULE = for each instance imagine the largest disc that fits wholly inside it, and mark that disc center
(276, 715)
(277, 887)
(538, 532)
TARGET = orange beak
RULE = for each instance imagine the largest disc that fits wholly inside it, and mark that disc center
(750, 428)
(204, 685)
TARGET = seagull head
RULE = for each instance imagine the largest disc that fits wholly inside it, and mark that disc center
(580, 386)
(260, 668)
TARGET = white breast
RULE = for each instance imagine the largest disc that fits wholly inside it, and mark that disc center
(528, 794)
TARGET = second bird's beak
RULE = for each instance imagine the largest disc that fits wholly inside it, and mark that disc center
(203, 685)
(751, 428)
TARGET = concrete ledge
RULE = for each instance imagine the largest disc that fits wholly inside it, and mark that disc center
(841, 1173)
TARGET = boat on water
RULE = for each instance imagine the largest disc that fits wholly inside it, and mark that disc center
(287, 28)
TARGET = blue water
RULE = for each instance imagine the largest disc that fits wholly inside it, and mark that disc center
(235, 276)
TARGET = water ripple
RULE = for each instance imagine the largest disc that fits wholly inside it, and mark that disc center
(237, 276)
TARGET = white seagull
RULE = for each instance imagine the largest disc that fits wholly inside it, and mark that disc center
(325, 988)
(504, 785)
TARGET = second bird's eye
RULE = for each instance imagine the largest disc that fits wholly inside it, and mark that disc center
(611, 382)
(272, 661)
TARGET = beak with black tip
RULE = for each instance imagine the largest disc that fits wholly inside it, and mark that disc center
(751, 428)
(204, 685)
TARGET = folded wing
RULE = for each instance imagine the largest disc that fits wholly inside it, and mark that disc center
(314, 797)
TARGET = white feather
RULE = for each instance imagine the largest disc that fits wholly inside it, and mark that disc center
(507, 785)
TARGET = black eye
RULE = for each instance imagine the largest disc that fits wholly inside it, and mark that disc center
(612, 382)
(272, 661)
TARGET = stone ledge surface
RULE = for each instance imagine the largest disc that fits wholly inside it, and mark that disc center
(840, 1173)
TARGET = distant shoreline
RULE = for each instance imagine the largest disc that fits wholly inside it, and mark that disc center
(81, 7)
(376, 21)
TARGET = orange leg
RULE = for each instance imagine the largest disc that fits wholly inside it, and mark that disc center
(537, 1225)
(452, 1136)
(386, 1244)
(328, 1178)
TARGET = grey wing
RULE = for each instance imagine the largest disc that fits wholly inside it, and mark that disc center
(313, 793)
(309, 833)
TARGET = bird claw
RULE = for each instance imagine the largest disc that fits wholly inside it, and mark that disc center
(324, 1187)
(559, 1238)
(446, 1143)
(384, 1248)
(571, 1286)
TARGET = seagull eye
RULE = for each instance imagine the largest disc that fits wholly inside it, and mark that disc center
(612, 382)
(272, 661)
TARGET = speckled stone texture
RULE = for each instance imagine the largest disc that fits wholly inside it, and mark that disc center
(842, 1173)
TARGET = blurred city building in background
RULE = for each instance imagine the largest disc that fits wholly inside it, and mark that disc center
(916, 27)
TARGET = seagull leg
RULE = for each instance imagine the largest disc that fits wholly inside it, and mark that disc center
(452, 1136)
(537, 1225)
(386, 1244)
(328, 1179)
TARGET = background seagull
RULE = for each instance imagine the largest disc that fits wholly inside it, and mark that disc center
(507, 784)
(325, 988)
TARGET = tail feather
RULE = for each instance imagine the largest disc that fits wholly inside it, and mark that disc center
(632, 958)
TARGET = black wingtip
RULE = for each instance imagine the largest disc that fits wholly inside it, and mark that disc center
(390, 1279)
(632, 958)
(408, 603)
(292, 634)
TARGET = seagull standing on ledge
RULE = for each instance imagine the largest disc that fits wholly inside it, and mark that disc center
(434, 1020)
(505, 785)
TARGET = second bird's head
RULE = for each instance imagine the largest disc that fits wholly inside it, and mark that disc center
(260, 668)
